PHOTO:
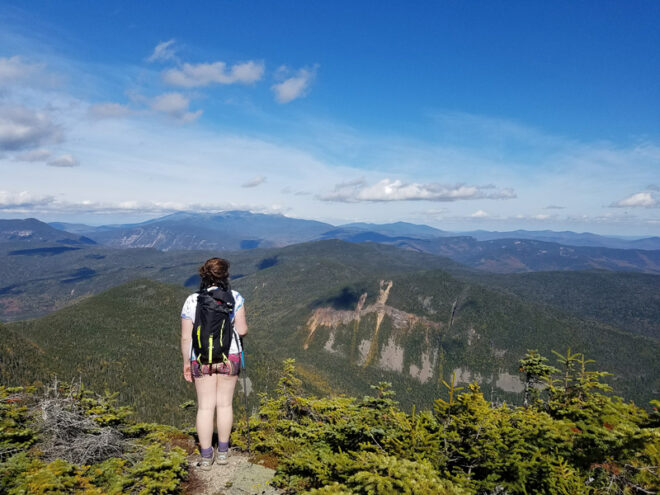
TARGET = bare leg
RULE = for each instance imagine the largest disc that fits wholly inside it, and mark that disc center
(206, 402)
(224, 395)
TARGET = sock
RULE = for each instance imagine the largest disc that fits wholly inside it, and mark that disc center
(223, 446)
(207, 452)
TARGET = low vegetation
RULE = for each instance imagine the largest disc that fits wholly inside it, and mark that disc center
(573, 437)
(66, 439)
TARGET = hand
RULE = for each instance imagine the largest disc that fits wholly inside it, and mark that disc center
(187, 374)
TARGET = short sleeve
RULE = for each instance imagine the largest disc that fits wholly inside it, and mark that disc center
(238, 300)
(189, 307)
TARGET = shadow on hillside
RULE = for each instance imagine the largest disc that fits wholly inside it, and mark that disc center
(347, 299)
(267, 263)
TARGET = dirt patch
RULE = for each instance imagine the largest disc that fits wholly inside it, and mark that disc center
(238, 477)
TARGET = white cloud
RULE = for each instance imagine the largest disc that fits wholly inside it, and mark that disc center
(294, 87)
(480, 214)
(175, 105)
(108, 110)
(26, 202)
(38, 155)
(65, 161)
(22, 127)
(164, 51)
(255, 181)
(640, 199)
(205, 74)
(13, 69)
(397, 190)
(23, 199)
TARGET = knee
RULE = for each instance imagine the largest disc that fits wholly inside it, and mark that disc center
(206, 406)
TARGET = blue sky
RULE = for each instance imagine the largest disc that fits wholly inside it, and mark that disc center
(460, 115)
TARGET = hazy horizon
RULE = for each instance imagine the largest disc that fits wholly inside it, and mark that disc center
(138, 220)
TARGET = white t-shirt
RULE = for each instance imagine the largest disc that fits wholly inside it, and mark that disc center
(190, 307)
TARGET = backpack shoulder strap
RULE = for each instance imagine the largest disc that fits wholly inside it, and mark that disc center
(198, 308)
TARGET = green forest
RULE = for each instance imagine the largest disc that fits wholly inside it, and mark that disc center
(571, 436)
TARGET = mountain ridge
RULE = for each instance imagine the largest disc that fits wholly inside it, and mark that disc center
(407, 229)
(31, 230)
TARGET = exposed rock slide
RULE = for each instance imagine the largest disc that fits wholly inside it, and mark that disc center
(392, 354)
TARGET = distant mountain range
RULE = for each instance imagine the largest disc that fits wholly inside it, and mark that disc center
(524, 255)
(568, 238)
(229, 230)
(240, 230)
(245, 230)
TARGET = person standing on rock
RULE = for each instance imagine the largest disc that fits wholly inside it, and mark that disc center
(214, 381)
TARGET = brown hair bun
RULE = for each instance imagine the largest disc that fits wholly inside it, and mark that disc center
(214, 272)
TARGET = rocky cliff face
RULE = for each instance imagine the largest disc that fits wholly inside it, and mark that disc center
(376, 335)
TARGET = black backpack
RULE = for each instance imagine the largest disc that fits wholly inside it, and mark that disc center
(212, 329)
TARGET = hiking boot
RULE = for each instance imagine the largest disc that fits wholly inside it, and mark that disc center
(205, 463)
(222, 458)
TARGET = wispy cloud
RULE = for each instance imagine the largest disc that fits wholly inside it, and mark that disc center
(108, 110)
(347, 184)
(14, 69)
(295, 86)
(254, 182)
(397, 190)
(205, 74)
(22, 127)
(643, 199)
(163, 52)
(480, 214)
(176, 106)
(554, 207)
(289, 190)
(65, 161)
(38, 155)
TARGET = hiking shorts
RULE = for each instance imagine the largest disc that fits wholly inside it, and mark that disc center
(232, 367)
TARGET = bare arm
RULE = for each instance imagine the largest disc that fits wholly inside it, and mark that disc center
(186, 339)
(240, 325)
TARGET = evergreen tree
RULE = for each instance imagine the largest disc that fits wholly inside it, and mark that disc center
(537, 372)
